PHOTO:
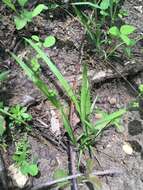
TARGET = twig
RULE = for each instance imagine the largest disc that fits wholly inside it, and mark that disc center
(95, 173)
(72, 153)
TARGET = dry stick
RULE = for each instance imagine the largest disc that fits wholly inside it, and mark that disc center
(72, 153)
(95, 173)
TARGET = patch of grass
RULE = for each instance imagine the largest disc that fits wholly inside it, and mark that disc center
(101, 19)
(82, 102)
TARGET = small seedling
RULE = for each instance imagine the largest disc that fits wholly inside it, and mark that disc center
(104, 13)
(19, 115)
(122, 35)
(21, 157)
(24, 16)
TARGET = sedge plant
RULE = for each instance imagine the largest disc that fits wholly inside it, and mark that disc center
(82, 102)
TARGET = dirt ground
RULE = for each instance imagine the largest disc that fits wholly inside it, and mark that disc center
(67, 55)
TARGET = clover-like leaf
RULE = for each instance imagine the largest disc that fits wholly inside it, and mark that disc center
(20, 22)
(126, 39)
(127, 29)
(35, 37)
(114, 31)
(49, 41)
(38, 9)
(105, 4)
(27, 168)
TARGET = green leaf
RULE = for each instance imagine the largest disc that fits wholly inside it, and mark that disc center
(49, 41)
(3, 75)
(102, 12)
(119, 127)
(67, 126)
(102, 123)
(114, 31)
(27, 15)
(38, 82)
(20, 22)
(37, 10)
(141, 88)
(2, 125)
(105, 4)
(10, 4)
(127, 29)
(35, 65)
(85, 103)
(126, 39)
(52, 5)
(35, 37)
(30, 169)
(22, 2)
(57, 73)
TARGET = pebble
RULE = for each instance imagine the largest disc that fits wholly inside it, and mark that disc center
(19, 180)
(112, 101)
(127, 148)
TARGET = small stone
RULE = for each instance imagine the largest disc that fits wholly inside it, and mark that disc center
(27, 100)
(19, 180)
(127, 148)
(98, 116)
(112, 101)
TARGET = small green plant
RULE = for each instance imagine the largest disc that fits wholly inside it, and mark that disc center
(46, 43)
(104, 13)
(24, 16)
(83, 104)
(122, 35)
(21, 157)
(21, 115)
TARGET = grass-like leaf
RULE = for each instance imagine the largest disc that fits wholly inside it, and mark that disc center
(38, 82)
(48, 93)
(57, 73)
(85, 103)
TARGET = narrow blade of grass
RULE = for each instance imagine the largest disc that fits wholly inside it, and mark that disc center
(109, 118)
(83, 19)
(102, 123)
(48, 93)
(3, 75)
(38, 82)
(57, 73)
(85, 103)
(68, 127)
